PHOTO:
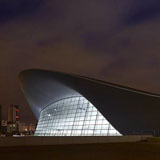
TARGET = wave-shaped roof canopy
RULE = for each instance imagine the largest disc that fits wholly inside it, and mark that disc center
(130, 111)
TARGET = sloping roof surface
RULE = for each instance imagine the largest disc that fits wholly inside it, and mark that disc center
(130, 111)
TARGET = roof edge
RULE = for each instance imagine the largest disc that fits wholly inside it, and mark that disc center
(92, 79)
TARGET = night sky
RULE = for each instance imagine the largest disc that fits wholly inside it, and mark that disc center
(112, 40)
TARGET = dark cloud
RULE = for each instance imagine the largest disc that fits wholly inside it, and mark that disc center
(50, 41)
(105, 43)
(142, 11)
(96, 41)
(11, 9)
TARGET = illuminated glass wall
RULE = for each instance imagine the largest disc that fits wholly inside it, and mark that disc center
(73, 116)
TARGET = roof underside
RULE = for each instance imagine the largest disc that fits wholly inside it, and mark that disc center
(128, 110)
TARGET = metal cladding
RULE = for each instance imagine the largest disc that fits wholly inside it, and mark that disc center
(129, 111)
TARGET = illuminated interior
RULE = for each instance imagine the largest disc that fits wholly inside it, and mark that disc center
(73, 116)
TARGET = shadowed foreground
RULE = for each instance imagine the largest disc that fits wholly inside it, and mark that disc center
(110, 151)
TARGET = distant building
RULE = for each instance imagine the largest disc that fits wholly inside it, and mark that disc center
(13, 114)
(32, 127)
(4, 123)
(0, 115)
(11, 128)
(4, 126)
(21, 127)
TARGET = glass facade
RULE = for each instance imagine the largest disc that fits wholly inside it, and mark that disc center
(73, 116)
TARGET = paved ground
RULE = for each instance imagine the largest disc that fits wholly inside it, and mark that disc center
(113, 151)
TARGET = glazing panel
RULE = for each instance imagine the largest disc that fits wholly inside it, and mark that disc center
(73, 116)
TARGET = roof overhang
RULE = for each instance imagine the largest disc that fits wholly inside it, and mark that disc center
(130, 111)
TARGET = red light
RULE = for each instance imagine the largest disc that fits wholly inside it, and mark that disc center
(17, 117)
(17, 110)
